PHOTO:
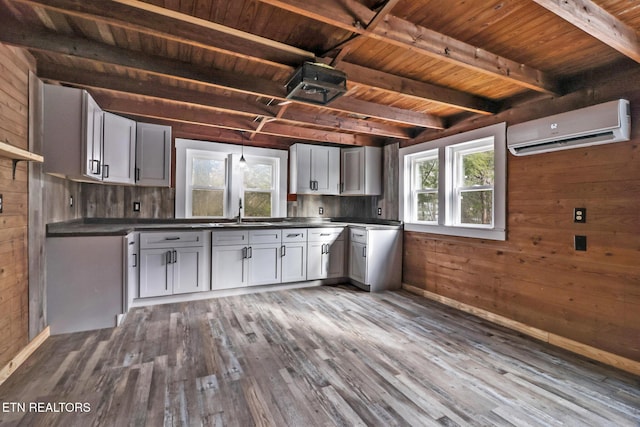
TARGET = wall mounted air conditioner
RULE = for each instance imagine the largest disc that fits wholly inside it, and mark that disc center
(598, 124)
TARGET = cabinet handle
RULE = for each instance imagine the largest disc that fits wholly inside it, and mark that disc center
(294, 235)
(175, 256)
(250, 252)
(167, 257)
(364, 251)
(283, 250)
(105, 170)
(244, 253)
(311, 185)
(135, 260)
(95, 167)
(342, 187)
(325, 248)
(137, 174)
(172, 238)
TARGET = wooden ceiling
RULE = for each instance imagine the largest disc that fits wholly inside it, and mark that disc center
(216, 69)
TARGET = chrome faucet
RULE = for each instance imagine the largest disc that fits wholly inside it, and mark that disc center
(239, 217)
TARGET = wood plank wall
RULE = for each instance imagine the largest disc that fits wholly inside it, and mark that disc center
(536, 277)
(14, 278)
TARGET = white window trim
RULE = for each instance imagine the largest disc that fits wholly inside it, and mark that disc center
(233, 170)
(445, 225)
(200, 154)
(275, 163)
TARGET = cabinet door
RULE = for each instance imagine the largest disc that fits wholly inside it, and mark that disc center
(188, 270)
(303, 169)
(334, 258)
(228, 267)
(156, 272)
(132, 263)
(153, 155)
(94, 117)
(325, 169)
(263, 263)
(358, 262)
(352, 171)
(294, 262)
(316, 269)
(119, 149)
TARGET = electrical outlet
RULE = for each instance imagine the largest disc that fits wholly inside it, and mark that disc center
(321, 210)
(580, 243)
(1, 203)
(579, 214)
(136, 206)
(379, 211)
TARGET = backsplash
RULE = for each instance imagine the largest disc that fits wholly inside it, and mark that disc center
(117, 201)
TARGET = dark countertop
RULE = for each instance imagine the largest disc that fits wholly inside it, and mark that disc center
(124, 226)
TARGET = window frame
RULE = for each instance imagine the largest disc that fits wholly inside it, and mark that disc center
(424, 156)
(446, 148)
(273, 191)
(189, 187)
(234, 175)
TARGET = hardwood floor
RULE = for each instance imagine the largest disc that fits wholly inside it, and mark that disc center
(313, 357)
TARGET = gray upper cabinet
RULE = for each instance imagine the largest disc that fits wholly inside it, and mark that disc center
(153, 155)
(361, 172)
(119, 149)
(315, 169)
(84, 143)
(72, 130)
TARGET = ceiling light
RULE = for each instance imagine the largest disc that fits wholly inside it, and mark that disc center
(316, 83)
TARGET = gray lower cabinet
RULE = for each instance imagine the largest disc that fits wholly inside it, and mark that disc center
(132, 268)
(172, 263)
(229, 250)
(84, 282)
(293, 255)
(375, 258)
(325, 253)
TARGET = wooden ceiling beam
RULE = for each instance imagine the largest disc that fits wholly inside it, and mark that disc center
(15, 34)
(596, 21)
(421, 90)
(154, 88)
(161, 109)
(154, 27)
(156, 21)
(402, 33)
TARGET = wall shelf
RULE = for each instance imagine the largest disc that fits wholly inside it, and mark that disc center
(18, 154)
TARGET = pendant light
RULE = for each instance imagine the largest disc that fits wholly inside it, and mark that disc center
(243, 162)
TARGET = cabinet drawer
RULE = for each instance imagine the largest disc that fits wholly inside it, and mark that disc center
(233, 237)
(265, 236)
(327, 234)
(294, 235)
(358, 235)
(166, 239)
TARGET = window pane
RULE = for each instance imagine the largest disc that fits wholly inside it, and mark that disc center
(426, 174)
(257, 204)
(478, 169)
(208, 173)
(258, 176)
(207, 203)
(427, 209)
(476, 207)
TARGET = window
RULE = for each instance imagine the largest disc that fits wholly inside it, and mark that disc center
(456, 185)
(207, 184)
(210, 182)
(472, 187)
(425, 187)
(259, 184)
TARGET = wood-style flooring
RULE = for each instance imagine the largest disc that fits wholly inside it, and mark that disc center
(321, 356)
